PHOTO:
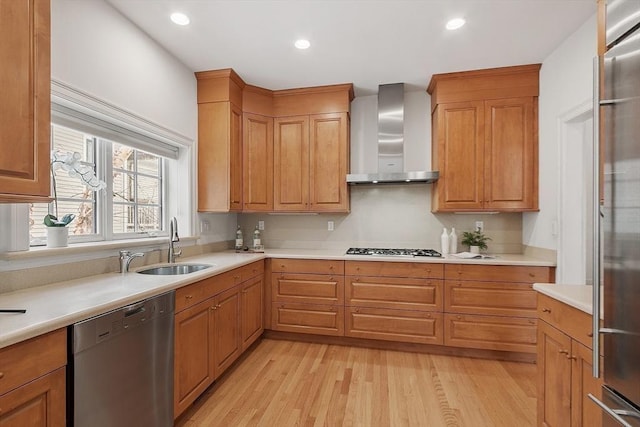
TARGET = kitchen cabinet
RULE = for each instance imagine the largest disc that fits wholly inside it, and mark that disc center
(492, 307)
(33, 382)
(565, 367)
(25, 118)
(258, 163)
(219, 141)
(209, 328)
(307, 296)
(394, 301)
(484, 126)
(311, 155)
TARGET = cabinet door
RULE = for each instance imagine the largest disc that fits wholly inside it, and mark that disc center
(511, 155)
(39, 403)
(251, 309)
(329, 163)
(25, 118)
(227, 329)
(291, 164)
(584, 412)
(257, 151)
(459, 156)
(219, 164)
(235, 133)
(193, 364)
(554, 377)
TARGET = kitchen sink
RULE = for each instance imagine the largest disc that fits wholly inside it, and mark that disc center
(174, 269)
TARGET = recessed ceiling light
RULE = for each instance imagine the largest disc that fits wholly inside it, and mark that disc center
(455, 23)
(302, 44)
(180, 18)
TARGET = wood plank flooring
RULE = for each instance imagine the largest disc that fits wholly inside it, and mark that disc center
(284, 383)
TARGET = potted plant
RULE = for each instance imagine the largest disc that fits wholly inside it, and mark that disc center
(57, 231)
(476, 240)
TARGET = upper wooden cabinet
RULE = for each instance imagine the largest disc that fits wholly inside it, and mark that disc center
(294, 154)
(219, 141)
(258, 162)
(25, 117)
(485, 140)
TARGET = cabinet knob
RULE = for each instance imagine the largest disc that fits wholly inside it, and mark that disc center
(572, 358)
(546, 310)
(459, 317)
(214, 307)
(566, 352)
(532, 275)
(590, 335)
(1, 375)
(331, 267)
(188, 296)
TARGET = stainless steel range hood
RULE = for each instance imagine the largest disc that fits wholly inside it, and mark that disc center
(391, 143)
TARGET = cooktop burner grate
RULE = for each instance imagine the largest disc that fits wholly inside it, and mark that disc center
(394, 252)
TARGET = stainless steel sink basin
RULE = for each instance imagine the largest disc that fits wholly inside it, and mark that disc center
(174, 269)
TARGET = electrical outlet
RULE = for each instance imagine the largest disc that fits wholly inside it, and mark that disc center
(480, 225)
(330, 225)
(204, 226)
(261, 225)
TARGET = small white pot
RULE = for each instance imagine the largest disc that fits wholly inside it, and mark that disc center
(57, 237)
(474, 249)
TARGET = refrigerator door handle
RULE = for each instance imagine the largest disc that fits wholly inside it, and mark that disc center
(595, 273)
(615, 413)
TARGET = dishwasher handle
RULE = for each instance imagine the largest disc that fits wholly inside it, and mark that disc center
(132, 309)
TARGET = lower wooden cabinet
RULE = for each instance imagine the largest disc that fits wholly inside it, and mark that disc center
(490, 332)
(212, 334)
(394, 325)
(251, 310)
(308, 318)
(38, 403)
(33, 381)
(565, 369)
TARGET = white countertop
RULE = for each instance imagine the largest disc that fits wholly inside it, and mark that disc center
(578, 296)
(61, 304)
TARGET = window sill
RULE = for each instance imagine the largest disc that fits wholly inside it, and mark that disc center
(97, 249)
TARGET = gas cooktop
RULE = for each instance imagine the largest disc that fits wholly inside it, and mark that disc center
(394, 252)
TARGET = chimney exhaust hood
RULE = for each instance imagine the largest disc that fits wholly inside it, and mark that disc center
(391, 143)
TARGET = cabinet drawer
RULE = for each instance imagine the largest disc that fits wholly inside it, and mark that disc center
(394, 269)
(394, 325)
(308, 318)
(307, 266)
(252, 270)
(394, 293)
(28, 360)
(499, 273)
(570, 320)
(307, 288)
(502, 299)
(195, 293)
(490, 332)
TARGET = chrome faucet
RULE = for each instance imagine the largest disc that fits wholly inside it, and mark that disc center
(173, 238)
(125, 260)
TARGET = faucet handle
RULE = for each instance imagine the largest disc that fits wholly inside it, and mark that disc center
(124, 254)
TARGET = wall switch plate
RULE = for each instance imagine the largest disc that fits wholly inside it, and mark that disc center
(480, 225)
(261, 225)
(330, 225)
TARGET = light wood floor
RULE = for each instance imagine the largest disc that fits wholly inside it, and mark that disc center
(283, 383)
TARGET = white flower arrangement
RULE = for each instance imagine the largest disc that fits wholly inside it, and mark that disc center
(70, 162)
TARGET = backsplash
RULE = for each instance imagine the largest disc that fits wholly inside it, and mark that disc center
(384, 216)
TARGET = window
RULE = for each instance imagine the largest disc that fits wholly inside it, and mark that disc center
(130, 206)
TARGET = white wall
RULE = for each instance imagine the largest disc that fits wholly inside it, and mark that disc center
(97, 50)
(566, 81)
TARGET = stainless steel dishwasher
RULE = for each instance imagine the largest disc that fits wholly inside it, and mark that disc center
(122, 366)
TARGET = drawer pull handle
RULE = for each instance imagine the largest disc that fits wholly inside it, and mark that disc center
(1, 375)
(565, 352)
(546, 310)
(188, 296)
(214, 307)
(590, 335)
(532, 275)
(572, 357)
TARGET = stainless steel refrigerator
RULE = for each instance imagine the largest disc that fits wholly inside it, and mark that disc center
(620, 219)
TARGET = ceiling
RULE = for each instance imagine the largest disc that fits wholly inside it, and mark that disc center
(365, 42)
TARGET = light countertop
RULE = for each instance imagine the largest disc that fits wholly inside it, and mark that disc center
(61, 304)
(578, 296)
